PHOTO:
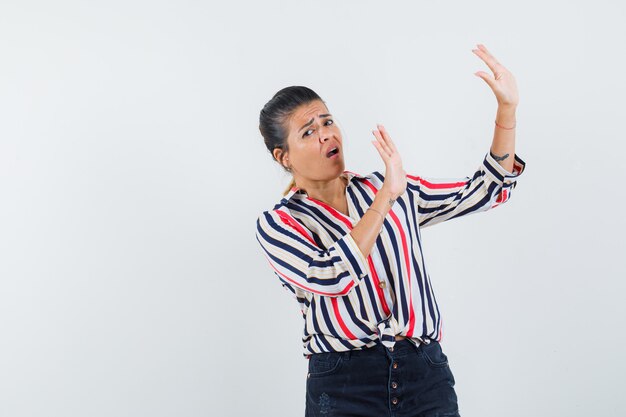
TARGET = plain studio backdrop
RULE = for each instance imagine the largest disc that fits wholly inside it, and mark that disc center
(132, 172)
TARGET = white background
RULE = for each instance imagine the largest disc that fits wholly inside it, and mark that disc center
(132, 172)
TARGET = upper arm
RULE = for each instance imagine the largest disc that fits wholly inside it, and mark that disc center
(295, 256)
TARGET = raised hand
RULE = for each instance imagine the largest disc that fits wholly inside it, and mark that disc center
(395, 177)
(502, 82)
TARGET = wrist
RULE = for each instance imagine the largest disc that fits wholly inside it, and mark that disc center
(383, 201)
(505, 117)
(507, 110)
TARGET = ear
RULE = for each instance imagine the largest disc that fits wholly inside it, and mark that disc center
(278, 154)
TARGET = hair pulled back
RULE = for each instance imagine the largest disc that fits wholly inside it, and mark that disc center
(274, 115)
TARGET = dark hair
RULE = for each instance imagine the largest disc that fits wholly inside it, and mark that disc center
(276, 112)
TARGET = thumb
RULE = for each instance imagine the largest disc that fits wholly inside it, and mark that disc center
(488, 78)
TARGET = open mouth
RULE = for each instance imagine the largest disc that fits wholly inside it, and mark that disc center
(332, 152)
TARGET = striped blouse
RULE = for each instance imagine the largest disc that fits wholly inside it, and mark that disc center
(349, 301)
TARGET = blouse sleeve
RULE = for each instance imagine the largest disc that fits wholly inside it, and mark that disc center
(297, 259)
(439, 200)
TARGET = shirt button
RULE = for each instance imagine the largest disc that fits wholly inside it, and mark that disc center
(394, 400)
(391, 349)
(363, 274)
(395, 365)
(382, 284)
(394, 385)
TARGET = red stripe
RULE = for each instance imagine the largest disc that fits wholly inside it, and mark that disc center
(339, 216)
(340, 320)
(502, 197)
(342, 218)
(437, 185)
(381, 294)
(287, 219)
(405, 251)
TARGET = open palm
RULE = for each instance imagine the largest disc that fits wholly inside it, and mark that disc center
(395, 176)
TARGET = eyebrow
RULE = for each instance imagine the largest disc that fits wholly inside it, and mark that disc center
(311, 121)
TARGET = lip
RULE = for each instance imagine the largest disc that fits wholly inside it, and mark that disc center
(328, 149)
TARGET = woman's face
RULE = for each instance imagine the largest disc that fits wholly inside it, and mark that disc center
(312, 135)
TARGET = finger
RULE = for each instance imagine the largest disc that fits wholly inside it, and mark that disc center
(489, 79)
(491, 62)
(483, 48)
(380, 150)
(387, 137)
(489, 54)
(382, 141)
(500, 67)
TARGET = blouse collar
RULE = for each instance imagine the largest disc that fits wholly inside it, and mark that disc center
(349, 174)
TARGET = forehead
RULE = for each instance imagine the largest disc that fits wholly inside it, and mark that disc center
(304, 113)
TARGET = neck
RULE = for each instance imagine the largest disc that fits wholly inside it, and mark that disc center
(327, 191)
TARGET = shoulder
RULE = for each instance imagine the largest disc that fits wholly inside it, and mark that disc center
(279, 214)
(266, 215)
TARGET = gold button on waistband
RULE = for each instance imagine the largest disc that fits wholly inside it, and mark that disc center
(382, 284)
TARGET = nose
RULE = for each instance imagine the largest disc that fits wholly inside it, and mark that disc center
(323, 134)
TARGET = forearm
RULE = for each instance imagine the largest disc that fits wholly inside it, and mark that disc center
(368, 228)
(503, 146)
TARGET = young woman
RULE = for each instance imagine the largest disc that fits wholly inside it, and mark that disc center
(347, 247)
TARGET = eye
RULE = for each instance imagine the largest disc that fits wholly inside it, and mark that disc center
(327, 124)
